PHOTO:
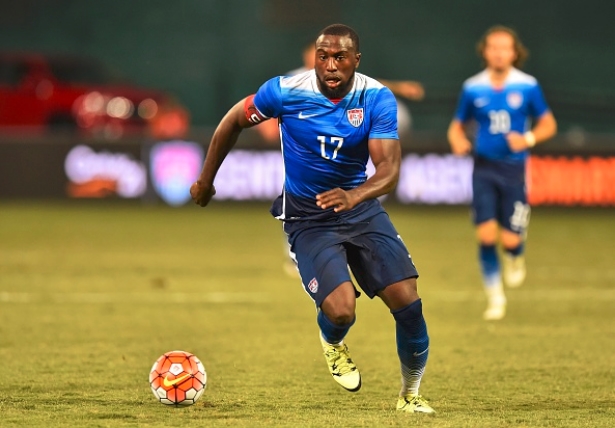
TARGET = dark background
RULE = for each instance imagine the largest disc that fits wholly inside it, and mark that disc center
(209, 53)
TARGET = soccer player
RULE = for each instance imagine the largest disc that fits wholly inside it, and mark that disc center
(331, 119)
(503, 101)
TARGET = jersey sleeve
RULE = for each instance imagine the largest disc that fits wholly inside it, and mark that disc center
(538, 104)
(384, 121)
(464, 106)
(268, 98)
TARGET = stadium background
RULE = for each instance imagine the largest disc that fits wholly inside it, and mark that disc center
(208, 54)
(212, 52)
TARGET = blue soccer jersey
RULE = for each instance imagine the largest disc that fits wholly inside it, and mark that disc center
(500, 111)
(324, 143)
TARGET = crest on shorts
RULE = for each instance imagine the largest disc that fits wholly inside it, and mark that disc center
(355, 116)
(514, 99)
(313, 286)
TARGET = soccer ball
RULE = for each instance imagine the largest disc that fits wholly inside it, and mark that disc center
(178, 378)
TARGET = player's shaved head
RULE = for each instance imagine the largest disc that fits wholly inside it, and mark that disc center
(342, 31)
(521, 51)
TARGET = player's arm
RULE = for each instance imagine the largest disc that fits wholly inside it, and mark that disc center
(224, 138)
(544, 128)
(386, 156)
(405, 88)
(457, 138)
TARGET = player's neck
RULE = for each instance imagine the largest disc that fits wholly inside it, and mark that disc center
(498, 77)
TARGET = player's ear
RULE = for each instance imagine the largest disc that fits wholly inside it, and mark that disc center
(358, 59)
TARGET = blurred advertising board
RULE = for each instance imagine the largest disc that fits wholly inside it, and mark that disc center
(98, 173)
(164, 171)
(561, 180)
(174, 166)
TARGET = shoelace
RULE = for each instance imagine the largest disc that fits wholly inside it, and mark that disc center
(339, 360)
(416, 400)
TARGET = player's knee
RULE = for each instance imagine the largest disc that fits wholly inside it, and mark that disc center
(400, 294)
(342, 318)
(340, 313)
(511, 239)
(340, 305)
(487, 233)
(411, 293)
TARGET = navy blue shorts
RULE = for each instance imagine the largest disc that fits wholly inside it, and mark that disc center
(372, 248)
(499, 193)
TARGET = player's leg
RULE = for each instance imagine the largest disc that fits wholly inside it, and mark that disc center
(412, 342)
(514, 221)
(337, 313)
(382, 266)
(335, 317)
(487, 233)
(411, 332)
(485, 202)
(514, 260)
(323, 269)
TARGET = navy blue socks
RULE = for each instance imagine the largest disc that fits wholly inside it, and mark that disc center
(412, 345)
(332, 333)
(490, 266)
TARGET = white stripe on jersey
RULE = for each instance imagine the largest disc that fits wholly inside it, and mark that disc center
(363, 81)
(303, 80)
(283, 215)
(265, 117)
(308, 81)
(515, 76)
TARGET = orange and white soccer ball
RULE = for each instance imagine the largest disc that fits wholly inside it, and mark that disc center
(178, 378)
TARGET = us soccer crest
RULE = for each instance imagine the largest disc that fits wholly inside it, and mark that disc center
(355, 116)
(313, 285)
(514, 99)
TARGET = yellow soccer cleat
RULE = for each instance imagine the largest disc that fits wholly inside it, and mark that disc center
(496, 303)
(343, 370)
(514, 271)
(496, 309)
(414, 404)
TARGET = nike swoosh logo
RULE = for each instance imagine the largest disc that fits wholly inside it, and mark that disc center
(306, 116)
(418, 354)
(481, 102)
(166, 382)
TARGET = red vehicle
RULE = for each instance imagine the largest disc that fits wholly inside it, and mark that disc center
(41, 92)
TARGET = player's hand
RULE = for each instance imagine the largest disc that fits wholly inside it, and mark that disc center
(201, 194)
(516, 142)
(338, 199)
(461, 147)
(411, 90)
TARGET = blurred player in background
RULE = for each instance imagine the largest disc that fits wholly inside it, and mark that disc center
(331, 120)
(502, 100)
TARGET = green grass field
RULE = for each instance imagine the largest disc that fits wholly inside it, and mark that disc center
(92, 293)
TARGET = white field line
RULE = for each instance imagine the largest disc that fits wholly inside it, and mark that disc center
(144, 297)
(523, 294)
(563, 273)
(445, 295)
